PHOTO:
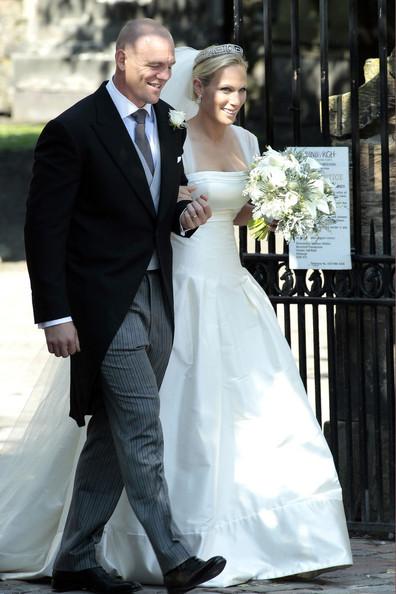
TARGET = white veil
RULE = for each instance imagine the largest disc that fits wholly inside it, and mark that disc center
(37, 464)
(178, 90)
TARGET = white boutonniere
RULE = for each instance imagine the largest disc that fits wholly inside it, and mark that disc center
(177, 119)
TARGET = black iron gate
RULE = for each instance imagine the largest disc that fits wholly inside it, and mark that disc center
(339, 323)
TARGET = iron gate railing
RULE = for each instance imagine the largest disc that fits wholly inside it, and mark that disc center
(348, 339)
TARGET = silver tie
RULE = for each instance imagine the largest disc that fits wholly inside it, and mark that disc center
(141, 138)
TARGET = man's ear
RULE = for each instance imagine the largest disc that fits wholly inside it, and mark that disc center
(120, 59)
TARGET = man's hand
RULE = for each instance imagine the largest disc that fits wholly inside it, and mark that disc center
(196, 213)
(62, 339)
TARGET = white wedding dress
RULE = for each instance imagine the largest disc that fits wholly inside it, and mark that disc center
(249, 472)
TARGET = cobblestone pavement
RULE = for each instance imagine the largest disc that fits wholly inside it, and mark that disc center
(373, 572)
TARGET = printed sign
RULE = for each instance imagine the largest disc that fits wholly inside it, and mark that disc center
(331, 248)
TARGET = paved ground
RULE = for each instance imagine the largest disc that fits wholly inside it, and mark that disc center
(21, 358)
(373, 572)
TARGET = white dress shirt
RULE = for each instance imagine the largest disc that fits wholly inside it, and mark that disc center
(126, 108)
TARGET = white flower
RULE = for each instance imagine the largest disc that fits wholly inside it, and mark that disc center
(291, 198)
(255, 194)
(323, 206)
(318, 186)
(177, 119)
(313, 163)
(274, 158)
(276, 176)
(294, 164)
(311, 208)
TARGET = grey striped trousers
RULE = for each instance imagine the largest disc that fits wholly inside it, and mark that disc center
(124, 444)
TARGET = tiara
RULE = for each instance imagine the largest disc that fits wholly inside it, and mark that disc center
(218, 50)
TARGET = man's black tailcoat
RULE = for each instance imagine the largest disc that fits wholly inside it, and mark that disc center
(91, 228)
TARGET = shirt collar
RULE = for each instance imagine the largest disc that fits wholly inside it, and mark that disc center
(124, 106)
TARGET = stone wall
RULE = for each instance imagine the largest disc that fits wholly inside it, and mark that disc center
(371, 192)
(64, 49)
(12, 35)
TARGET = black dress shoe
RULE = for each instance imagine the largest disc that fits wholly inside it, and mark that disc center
(94, 579)
(191, 573)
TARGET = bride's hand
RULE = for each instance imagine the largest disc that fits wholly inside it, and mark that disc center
(185, 193)
(196, 213)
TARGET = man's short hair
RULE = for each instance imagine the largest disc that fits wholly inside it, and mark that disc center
(136, 28)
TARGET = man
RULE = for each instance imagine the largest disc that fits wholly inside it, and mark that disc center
(101, 207)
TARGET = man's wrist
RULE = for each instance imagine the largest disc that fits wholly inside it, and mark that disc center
(43, 325)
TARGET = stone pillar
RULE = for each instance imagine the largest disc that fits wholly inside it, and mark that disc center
(31, 16)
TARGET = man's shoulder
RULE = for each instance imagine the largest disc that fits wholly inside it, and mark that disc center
(76, 121)
(84, 110)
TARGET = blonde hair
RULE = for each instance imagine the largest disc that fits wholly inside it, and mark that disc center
(206, 69)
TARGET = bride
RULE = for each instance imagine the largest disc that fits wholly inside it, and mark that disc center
(248, 469)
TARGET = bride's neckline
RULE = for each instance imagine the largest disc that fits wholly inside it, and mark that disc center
(189, 146)
(244, 171)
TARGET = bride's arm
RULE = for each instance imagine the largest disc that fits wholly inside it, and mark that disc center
(244, 215)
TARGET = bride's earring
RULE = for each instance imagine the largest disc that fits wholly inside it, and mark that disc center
(199, 99)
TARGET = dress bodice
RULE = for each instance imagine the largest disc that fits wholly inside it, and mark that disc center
(224, 190)
(212, 249)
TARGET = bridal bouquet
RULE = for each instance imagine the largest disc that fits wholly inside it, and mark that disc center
(287, 186)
